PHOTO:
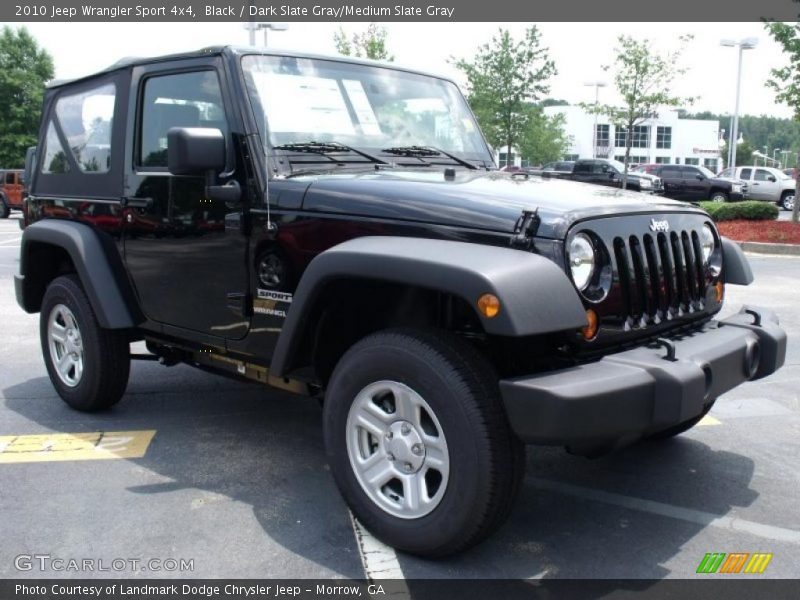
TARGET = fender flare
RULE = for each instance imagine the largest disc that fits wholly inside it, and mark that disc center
(535, 295)
(735, 266)
(97, 263)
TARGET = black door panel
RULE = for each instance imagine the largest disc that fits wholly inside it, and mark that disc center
(184, 262)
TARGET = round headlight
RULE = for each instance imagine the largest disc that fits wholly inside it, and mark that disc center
(581, 260)
(706, 241)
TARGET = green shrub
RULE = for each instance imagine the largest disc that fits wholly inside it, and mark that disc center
(748, 210)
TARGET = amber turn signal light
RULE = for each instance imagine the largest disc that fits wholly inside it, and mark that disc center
(489, 305)
(590, 331)
(719, 288)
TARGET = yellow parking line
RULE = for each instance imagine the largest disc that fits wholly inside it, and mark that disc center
(96, 445)
(709, 420)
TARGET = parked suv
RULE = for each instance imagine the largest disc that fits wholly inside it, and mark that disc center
(337, 228)
(609, 173)
(766, 183)
(12, 191)
(695, 183)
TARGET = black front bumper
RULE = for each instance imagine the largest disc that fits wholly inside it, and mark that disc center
(627, 395)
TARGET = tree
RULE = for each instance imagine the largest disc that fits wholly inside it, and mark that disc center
(368, 44)
(643, 79)
(744, 153)
(544, 139)
(24, 69)
(503, 79)
(786, 81)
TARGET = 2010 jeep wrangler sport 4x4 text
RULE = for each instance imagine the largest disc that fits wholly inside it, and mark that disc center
(337, 228)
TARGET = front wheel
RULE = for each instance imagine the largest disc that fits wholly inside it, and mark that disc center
(787, 201)
(88, 365)
(719, 197)
(418, 441)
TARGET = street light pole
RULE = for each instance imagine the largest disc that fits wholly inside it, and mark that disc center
(743, 44)
(274, 26)
(597, 85)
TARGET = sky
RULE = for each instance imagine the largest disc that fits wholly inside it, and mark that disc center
(579, 50)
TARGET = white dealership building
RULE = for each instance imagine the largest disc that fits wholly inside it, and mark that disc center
(663, 138)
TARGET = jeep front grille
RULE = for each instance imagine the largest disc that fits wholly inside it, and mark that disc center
(661, 276)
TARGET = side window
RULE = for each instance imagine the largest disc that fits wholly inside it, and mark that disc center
(746, 173)
(671, 173)
(762, 175)
(86, 120)
(582, 167)
(179, 100)
(10, 178)
(54, 160)
(690, 172)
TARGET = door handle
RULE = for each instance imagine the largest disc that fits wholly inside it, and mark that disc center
(128, 202)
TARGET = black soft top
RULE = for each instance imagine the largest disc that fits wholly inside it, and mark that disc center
(132, 61)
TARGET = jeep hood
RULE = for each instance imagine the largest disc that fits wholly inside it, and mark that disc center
(484, 200)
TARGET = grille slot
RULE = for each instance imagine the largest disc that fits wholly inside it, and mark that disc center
(660, 276)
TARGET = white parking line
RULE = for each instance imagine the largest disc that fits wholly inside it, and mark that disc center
(769, 532)
(379, 560)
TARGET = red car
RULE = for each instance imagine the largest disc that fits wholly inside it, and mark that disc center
(12, 191)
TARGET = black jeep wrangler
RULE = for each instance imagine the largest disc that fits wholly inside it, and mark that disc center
(338, 228)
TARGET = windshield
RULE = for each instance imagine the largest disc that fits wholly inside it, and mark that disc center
(705, 171)
(618, 166)
(298, 100)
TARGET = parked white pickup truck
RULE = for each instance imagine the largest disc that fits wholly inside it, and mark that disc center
(766, 183)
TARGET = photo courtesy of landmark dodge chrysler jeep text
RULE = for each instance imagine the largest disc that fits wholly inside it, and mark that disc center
(337, 228)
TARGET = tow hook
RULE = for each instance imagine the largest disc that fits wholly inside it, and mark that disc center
(670, 347)
(756, 316)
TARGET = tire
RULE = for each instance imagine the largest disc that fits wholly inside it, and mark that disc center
(459, 418)
(787, 200)
(4, 209)
(719, 196)
(680, 427)
(95, 361)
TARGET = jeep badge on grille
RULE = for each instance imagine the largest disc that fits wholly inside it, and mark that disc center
(656, 225)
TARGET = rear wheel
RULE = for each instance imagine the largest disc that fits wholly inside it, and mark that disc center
(4, 209)
(787, 200)
(719, 196)
(88, 365)
(418, 441)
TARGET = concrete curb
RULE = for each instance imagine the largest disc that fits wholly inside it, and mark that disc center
(766, 248)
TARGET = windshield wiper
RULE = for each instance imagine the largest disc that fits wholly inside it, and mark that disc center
(327, 148)
(426, 151)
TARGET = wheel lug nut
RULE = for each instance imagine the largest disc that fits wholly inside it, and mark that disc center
(390, 456)
(405, 429)
(389, 435)
(407, 466)
(416, 448)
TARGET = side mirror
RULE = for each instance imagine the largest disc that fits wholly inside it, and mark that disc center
(771, 178)
(195, 150)
(699, 177)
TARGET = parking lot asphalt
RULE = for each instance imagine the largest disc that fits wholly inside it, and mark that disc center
(235, 478)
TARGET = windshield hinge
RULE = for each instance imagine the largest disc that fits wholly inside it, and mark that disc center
(525, 229)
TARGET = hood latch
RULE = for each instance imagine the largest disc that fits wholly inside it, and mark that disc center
(525, 229)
